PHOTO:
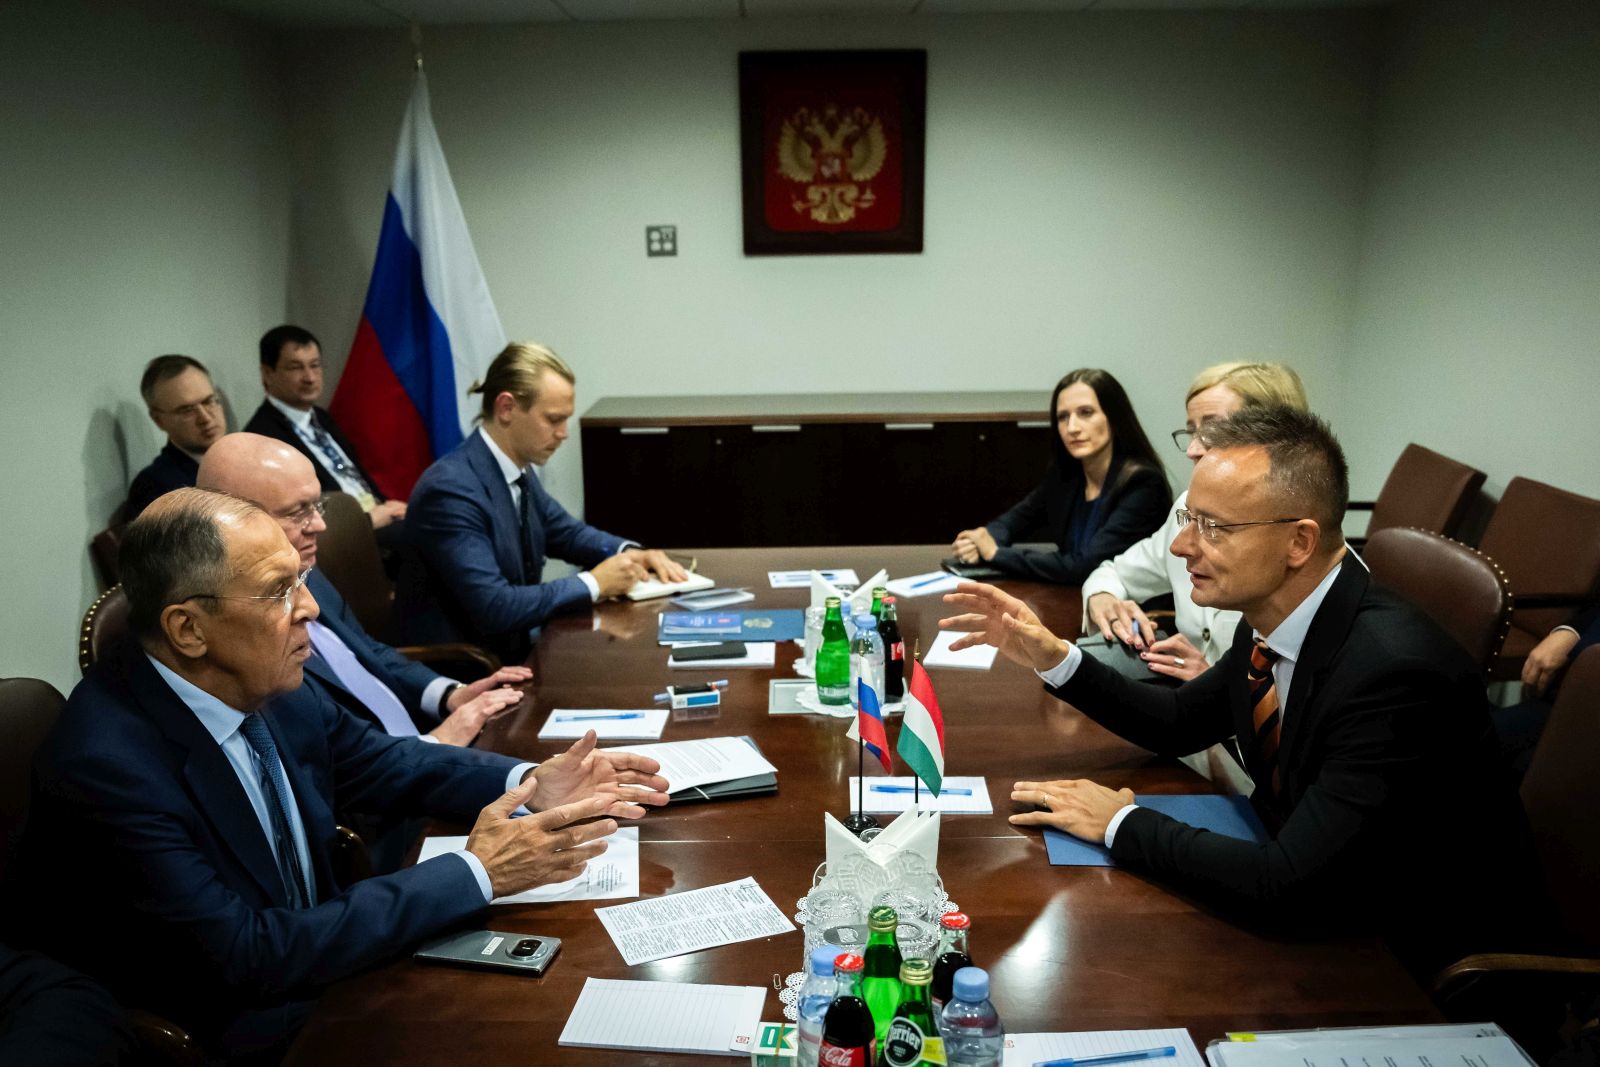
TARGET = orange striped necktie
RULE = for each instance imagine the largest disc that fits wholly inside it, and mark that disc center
(1264, 711)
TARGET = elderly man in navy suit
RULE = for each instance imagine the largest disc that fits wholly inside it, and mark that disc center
(194, 776)
(484, 524)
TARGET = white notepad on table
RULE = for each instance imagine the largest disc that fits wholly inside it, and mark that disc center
(976, 658)
(960, 795)
(713, 1020)
(1024, 1050)
(925, 584)
(650, 588)
(635, 724)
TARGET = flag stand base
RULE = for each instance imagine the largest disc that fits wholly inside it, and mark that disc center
(860, 823)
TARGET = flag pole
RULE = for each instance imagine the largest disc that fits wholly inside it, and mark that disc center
(916, 779)
(860, 822)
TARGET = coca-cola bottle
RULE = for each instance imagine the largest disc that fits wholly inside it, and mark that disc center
(847, 1032)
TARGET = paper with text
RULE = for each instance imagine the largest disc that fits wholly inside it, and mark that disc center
(665, 1017)
(1323, 1050)
(612, 875)
(685, 764)
(688, 922)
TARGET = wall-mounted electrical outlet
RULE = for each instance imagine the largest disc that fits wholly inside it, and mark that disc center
(661, 240)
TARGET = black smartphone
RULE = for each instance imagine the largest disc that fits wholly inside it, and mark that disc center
(720, 650)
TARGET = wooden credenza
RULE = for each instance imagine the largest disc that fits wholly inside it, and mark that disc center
(846, 468)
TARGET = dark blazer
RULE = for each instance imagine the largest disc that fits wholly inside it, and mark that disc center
(173, 468)
(468, 533)
(140, 831)
(1587, 623)
(1393, 801)
(1133, 504)
(270, 422)
(51, 1016)
(406, 677)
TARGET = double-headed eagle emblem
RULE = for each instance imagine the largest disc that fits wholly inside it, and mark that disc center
(834, 154)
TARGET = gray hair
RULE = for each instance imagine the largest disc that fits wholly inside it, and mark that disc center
(174, 551)
(1308, 469)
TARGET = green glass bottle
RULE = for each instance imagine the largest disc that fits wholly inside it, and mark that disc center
(878, 593)
(914, 1039)
(833, 657)
(880, 981)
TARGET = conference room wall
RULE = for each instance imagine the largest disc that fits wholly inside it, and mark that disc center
(1149, 192)
(1477, 319)
(145, 211)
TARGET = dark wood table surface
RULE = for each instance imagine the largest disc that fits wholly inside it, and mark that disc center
(1068, 948)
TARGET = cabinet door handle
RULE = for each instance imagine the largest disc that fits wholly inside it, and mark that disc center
(775, 428)
(1033, 424)
(908, 426)
(643, 430)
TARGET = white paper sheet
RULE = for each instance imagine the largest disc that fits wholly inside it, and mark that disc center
(890, 796)
(977, 658)
(608, 724)
(1419, 1050)
(665, 1017)
(1024, 1050)
(802, 579)
(923, 584)
(650, 588)
(672, 925)
(612, 875)
(685, 764)
(756, 654)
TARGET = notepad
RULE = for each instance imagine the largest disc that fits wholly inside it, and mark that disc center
(976, 658)
(1028, 1049)
(712, 1020)
(650, 588)
(958, 796)
(639, 724)
(923, 584)
(1231, 816)
(672, 925)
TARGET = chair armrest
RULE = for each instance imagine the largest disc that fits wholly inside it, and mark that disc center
(1485, 963)
(350, 859)
(163, 1042)
(1520, 601)
(457, 653)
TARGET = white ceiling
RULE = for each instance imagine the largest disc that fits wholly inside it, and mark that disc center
(456, 12)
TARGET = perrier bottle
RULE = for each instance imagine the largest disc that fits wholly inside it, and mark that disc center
(913, 1039)
(880, 982)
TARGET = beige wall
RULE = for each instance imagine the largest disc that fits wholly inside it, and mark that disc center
(145, 210)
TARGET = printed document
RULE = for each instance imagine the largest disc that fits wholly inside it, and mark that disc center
(685, 764)
(611, 875)
(667, 926)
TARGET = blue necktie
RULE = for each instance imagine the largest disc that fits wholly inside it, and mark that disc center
(275, 786)
(335, 458)
(360, 682)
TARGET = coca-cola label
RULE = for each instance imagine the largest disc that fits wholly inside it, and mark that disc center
(834, 1056)
(897, 650)
(906, 1045)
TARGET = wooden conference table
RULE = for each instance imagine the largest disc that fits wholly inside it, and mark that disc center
(1068, 948)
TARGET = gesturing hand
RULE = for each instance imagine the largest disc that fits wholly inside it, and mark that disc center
(625, 781)
(540, 849)
(504, 676)
(995, 618)
(1080, 807)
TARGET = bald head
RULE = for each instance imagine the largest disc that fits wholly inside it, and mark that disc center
(273, 475)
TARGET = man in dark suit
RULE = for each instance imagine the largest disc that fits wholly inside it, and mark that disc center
(291, 374)
(52, 1016)
(178, 393)
(184, 800)
(1520, 725)
(1364, 727)
(483, 524)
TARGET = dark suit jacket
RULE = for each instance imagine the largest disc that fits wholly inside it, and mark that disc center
(270, 422)
(468, 533)
(1393, 800)
(173, 468)
(51, 1016)
(140, 832)
(406, 677)
(1132, 506)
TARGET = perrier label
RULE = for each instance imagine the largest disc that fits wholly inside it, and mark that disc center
(913, 1037)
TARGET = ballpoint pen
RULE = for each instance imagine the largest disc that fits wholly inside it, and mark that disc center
(603, 715)
(893, 787)
(1110, 1057)
(929, 581)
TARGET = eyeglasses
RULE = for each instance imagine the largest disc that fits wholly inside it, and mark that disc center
(1211, 529)
(307, 513)
(1181, 438)
(286, 598)
(192, 411)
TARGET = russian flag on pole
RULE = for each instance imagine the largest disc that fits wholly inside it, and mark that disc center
(429, 327)
(867, 726)
(921, 740)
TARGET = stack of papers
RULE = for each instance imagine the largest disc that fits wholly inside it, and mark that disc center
(611, 875)
(689, 764)
(569, 724)
(712, 1020)
(1475, 1044)
(688, 922)
(957, 796)
(976, 658)
(1028, 1049)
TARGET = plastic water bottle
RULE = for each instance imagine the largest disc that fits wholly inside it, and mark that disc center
(815, 996)
(866, 659)
(973, 1036)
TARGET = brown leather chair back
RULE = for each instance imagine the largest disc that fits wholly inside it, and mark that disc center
(1460, 588)
(1547, 541)
(1561, 793)
(105, 623)
(348, 556)
(28, 709)
(103, 549)
(1425, 490)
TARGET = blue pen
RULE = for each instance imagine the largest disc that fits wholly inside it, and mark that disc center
(593, 718)
(1136, 630)
(929, 581)
(1110, 1057)
(891, 787)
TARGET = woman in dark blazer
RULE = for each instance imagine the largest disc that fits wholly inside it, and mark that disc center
(1105, 490)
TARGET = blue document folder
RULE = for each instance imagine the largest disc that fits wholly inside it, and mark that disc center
(787, 624)
(1231, 816)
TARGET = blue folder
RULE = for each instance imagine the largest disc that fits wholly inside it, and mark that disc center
(1231, 816)
(785, 624)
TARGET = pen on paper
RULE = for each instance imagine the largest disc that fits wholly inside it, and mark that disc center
(1111, 1057)
(602, 716)
(892, 787)
(929, 581)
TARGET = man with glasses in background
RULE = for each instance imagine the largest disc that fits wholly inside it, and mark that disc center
(1364, 727)
(178, 393)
